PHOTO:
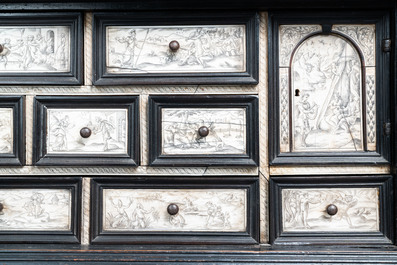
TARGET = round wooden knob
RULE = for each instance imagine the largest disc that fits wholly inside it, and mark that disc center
(203, 131)
(85, 132)
(172, 209)
(332, 209)
(1, 48)
(174, 45)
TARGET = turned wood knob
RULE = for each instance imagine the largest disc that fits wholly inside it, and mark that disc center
(174, 45)
(203, 131)
(1, 48)
(172, 209)
(332, 209)
(85, 132)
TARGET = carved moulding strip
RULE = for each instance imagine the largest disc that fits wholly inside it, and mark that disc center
(40, 209)
(112, 170)
(284, 110)
(370, 86)
(144, 210)
(331, 210)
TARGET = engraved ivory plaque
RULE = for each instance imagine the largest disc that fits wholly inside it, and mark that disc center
(327, 113)
(199, 210)
(139, 49)
(305, 210)
(227, 131)
(6, 130)
(35, 209)
(35, 49)
(109, 131)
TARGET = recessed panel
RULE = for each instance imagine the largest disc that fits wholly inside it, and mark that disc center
(6, 130)
(354, 209)
(131, 49)
(326, 88)
(198, 210)
(181, 131)
(31, 49)
(107, 129)
(35, 209)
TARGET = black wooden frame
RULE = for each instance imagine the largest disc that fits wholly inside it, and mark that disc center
(102, 20)
(381, 20)
(250, 103)
(250, 236)
(42, 103)
(386, 211)
(17, 157)
(73, 20)
(46, 236)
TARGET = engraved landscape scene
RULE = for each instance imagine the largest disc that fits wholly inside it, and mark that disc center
(227, 131)
(326, 96)
(109, 133)
(38, 209)
(6, 130)
(202, 49)
(305, 209)
(199, 210)
(35, 49)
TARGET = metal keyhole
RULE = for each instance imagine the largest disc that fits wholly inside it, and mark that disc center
(297, 92)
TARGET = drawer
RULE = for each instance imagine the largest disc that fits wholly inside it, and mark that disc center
(40, 210)
(86, 130)
(334, 210)
(12, 130)
(41, 48)
(142, 48)
(174, 210)
(203, 130)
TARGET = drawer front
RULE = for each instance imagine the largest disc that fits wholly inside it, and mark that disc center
(174, 210)
(87, 130)
(41, 48)
(40, 210)
(137, 48)
(215, 130)
(331, 210)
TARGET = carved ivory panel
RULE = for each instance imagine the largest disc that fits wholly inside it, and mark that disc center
(108, 131)
(326, 104)
(141, 49)
(35, 49)
(199, 210)
(227, 131)
(6, 130)
(306, 210)
(35, 209)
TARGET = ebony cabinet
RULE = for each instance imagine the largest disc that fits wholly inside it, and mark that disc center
(197, 132)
